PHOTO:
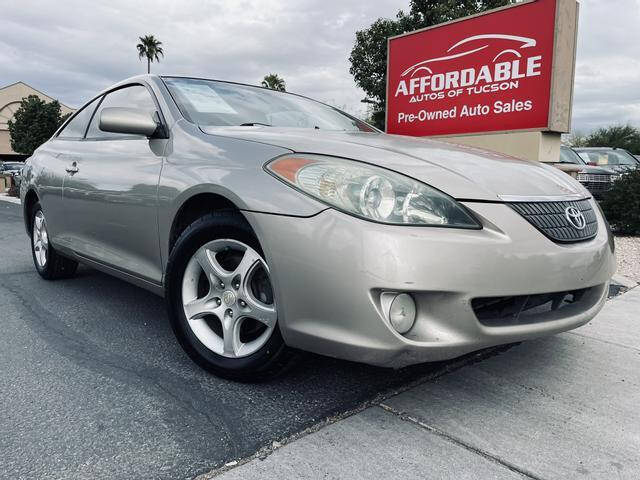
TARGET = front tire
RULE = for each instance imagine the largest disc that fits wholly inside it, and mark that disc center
(48, 262)
(220, 300)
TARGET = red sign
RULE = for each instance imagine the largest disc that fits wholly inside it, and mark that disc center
(486, 73)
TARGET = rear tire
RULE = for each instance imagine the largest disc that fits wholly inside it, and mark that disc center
(218, 277)
(48, 262)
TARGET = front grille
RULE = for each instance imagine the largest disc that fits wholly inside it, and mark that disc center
(594, 178)
(527, 309)
(550, 219)
(597, 186)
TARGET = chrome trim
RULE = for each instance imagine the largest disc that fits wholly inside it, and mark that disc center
(594, 177)
(544, 198)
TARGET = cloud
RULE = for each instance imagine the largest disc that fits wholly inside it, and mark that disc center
(607, 83)
(72, 49)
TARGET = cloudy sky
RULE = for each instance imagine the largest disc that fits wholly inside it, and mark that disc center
(72, 49)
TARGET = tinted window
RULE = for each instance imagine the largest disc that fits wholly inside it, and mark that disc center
(135, 96)
(78, 124)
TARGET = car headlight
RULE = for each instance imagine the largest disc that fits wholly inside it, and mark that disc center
(370, 192)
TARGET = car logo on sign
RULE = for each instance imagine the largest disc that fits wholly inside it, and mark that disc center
(575, 218)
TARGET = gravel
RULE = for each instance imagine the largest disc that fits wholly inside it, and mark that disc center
(628, 253)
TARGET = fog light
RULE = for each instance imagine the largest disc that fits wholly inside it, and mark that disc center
(402, 313)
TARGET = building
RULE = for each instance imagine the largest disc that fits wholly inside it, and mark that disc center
(10, 98)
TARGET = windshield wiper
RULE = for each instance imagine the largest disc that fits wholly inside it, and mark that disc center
(253, 124)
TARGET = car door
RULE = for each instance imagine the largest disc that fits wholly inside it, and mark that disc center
(50, 163)
(110, 194)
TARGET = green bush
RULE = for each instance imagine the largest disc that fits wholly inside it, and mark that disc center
(621, 205)
(34, 123)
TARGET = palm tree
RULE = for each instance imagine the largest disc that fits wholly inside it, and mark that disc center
(274, 82)
(151, 48)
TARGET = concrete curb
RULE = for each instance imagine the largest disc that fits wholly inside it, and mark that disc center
(377, 401)
(5, 198)
(626, 282)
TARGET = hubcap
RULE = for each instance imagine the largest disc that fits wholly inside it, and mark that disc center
(228, 299)
(40, 239)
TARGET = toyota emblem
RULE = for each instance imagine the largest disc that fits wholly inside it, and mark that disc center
(575, 218)
(229, 298)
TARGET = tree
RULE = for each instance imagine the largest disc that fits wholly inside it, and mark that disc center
(621, 204)
(620, 136)
(34, 123)
(369, 54)
(151, 48)
(575, 139)
(274, 82)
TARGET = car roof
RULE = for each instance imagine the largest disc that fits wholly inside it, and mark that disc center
(599, 148)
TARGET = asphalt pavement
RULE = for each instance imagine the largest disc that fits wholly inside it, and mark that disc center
(94, 385)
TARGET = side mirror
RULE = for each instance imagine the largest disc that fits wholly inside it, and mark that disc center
(593, 164)
(128, 120)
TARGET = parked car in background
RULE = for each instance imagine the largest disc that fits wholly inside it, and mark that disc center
(617, 159)
(10, 168)
(15, 170)
(598, 180)
(272, 222)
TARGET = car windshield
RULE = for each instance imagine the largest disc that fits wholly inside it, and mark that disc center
(215, 103)
(608, 157)
(567, 155)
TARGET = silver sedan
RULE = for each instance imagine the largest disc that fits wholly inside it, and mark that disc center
(273, 223)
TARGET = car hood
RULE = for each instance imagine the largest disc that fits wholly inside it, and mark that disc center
(597, 170)
(583, 168)
(622, 168)
(460, 171)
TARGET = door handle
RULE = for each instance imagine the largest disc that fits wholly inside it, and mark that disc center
(73, 168)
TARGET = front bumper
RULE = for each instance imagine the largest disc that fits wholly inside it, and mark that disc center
(328, 272)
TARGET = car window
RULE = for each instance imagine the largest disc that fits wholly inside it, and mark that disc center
(78, 125)
(608, 157)
(622, 157)
(567, 155)
(135, 96)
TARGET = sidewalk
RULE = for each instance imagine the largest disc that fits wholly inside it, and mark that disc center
(559, 407)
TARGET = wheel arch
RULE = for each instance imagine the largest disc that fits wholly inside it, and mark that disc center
(195, 206)
(30, 199)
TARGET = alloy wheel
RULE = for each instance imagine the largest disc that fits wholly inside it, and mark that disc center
(228, 299)
(40, 239)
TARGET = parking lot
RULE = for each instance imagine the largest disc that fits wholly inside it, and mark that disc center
(93, 385)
